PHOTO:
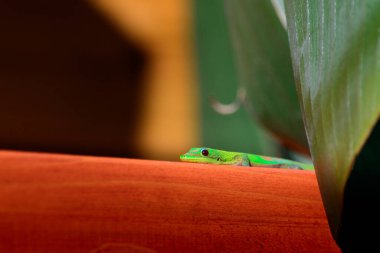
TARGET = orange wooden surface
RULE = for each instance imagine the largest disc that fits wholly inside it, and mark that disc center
(62, 203)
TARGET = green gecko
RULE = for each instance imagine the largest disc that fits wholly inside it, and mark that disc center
(215, 156)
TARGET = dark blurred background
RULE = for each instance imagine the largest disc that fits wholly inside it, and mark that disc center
(119, 78)
(69, 81)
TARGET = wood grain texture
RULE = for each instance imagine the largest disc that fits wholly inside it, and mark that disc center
(63, 203)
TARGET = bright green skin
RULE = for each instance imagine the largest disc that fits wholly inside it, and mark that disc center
(216, 156)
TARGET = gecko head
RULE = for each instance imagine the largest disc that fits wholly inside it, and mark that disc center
(202, 155)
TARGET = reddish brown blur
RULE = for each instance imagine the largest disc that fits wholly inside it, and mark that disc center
(57, 203)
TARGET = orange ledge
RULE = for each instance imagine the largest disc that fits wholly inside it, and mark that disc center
(63, 203)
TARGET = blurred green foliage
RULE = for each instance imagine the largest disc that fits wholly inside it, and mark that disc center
(218, 79)
(265, 68)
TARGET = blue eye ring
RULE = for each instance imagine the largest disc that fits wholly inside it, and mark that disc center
(204, 152)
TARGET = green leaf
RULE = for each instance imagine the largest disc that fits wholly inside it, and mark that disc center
(264, 64)
(218, 78)
(335, 48)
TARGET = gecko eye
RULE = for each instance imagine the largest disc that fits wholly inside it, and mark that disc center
(204, 152)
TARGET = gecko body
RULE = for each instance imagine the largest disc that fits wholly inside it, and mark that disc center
(215, 156)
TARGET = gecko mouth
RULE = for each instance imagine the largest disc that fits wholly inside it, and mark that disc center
(187, 158)
(195, 159)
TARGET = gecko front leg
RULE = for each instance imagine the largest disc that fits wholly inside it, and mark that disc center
(242, 160)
